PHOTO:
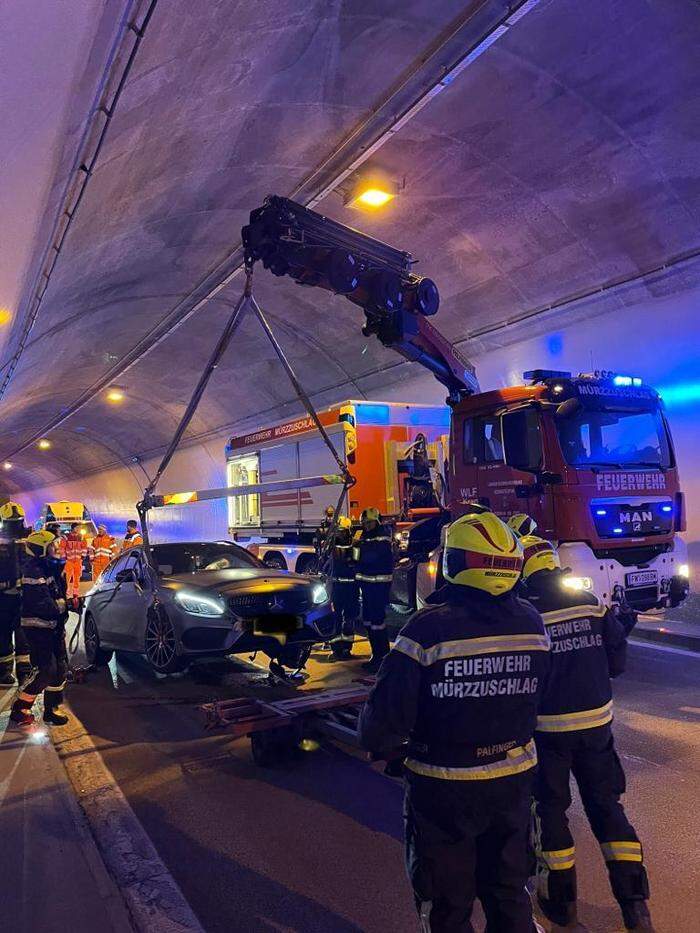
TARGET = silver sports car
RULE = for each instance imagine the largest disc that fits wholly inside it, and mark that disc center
(204, 599)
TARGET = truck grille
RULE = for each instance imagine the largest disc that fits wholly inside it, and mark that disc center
(632, 556)
(257, 604)
(642, 597)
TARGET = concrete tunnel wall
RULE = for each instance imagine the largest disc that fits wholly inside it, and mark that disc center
(651, 340)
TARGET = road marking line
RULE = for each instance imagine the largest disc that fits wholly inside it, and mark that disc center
(153, 897)
(655, 646)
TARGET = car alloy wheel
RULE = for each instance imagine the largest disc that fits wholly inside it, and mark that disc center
(161, 644)
(93, 652)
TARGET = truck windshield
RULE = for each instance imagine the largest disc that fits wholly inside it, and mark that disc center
(615, 439)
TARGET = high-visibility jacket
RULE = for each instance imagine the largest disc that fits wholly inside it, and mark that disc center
(131, 540)
(40, 592)
(59, 547)
(374, 555)
(75, 547)
(588, 648)
(102, 548)
(462, 684)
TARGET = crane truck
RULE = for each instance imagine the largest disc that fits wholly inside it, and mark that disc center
(590, 456)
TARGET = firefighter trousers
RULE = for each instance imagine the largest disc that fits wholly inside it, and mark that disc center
(14, 649)
(47, 648)
(591, 757)
(375, 599)
(73, 572)
(468, 839)
(346, 605)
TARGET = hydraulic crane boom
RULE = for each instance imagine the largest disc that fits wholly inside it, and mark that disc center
(316, 251)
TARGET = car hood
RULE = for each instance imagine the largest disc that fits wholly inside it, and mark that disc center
(248, 579)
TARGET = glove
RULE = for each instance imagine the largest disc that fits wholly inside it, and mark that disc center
(61, 603)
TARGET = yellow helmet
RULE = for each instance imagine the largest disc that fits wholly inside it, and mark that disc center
(36, 544)
(522, 524)
(539, 555)
(481, 551)
(344, 523)
(11, 512)
(370, 515)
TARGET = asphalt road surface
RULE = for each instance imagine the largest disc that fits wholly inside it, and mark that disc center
(316, 846)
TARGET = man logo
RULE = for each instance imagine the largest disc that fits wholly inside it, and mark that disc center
(635, 518)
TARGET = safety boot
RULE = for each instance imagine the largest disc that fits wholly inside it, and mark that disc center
(53, 714)
(21, 713)
(7, 680)
(636, 915)
(562, 914)
(379, 643)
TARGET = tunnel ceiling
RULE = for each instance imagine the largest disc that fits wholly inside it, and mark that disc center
(561, 159)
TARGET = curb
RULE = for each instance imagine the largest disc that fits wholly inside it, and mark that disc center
(667, 637)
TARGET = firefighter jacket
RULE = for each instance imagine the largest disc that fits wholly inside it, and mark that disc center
(343, 563)
(40, 595)
(74, 547)
(10, 569)
(321, 535)
(374, 555)
(59, 546)
(462, 684)
(588, 648)
(132, 539)
(102, 548)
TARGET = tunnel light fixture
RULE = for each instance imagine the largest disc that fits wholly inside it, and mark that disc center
(5, 317)
(44, 444)
(116, 394)
(371, 192)
(7, 465)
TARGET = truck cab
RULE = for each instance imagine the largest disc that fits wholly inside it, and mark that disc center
(591, 459)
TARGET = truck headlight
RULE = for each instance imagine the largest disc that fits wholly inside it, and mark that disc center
(684, 571)
(197, 604)
(577, 583)
(319, 594)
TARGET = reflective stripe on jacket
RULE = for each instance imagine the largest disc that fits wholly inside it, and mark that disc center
(103, 546)
(374, 555)
(462, 686)
(131, 541)
(75, 547)
(40, 591)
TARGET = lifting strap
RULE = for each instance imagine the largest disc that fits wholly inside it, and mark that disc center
(247, 300)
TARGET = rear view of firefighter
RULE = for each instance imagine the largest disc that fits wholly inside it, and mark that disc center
(14, 651)
(102, 550)
(374, 559)
(346, 591)
(75, 551)
(574, 736)
(462, 686)
(44, 617)
(132, 538)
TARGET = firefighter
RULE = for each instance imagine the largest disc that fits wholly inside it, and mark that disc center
(345, 590)
(132, 538)
(461, 686)
(374, 559)
(102, 550)
(74, 551)
(59, 545)
(44, 617)
(522, 524)
(574, 736)
(14, 650)
(322, 532)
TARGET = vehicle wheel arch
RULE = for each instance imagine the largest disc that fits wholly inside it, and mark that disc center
(275, 560)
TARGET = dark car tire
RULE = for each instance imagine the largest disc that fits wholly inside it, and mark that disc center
(274, 561)
(307, 563)
(160, 644)
(93, 652)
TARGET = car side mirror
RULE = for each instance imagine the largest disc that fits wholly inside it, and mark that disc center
(572, 406)
(126, 576)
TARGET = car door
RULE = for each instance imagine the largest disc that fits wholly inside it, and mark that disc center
(130, 605)
(102, 599)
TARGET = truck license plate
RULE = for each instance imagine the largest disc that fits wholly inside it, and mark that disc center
(642, 578)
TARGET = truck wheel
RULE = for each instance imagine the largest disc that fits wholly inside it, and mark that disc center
(274, 561)
(94, 654)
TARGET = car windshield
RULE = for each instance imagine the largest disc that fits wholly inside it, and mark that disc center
(615, 439)
(190, 558)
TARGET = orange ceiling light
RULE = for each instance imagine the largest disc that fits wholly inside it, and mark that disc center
(44, 444)
(371, 193)
(116, 394)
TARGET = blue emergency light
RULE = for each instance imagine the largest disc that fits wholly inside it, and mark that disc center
(627, 381)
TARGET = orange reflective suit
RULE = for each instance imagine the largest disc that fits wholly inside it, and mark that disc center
(101, 552)
(75, 551)
(132, 540)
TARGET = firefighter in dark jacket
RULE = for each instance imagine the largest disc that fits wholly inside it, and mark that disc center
(574, 736)
(43, 620)
(345, 590)
(14, 650)
(374, 558)
(462, 686)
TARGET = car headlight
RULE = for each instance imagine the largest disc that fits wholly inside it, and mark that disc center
(319, 594)
(577, 583)
(199, 605)
(684, 571)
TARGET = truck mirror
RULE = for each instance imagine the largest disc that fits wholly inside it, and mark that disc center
(568, 408)
(522, 446)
